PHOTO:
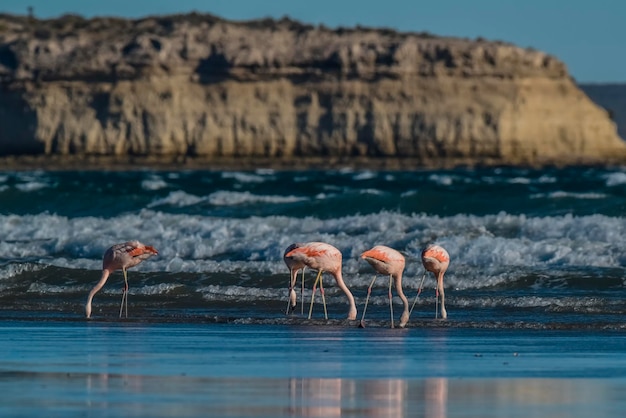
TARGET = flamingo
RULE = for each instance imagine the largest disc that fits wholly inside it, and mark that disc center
(323, 258)
(120, 257)
(294, 266)
(386, 260)
(436, 260)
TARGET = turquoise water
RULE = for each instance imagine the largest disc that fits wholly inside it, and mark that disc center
(535, 294)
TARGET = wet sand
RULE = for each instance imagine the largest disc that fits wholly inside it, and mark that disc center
(45, 394)
(132, 369)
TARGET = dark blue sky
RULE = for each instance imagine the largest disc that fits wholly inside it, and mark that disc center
(589, 36)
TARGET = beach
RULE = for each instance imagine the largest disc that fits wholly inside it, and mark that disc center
(534, 293)
(212, 213)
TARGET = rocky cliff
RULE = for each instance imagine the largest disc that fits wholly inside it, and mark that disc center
(199, 86)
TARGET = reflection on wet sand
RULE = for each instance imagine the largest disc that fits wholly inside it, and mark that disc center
(435, 397)
(368, 397)
(385, 398)
(337, 397)
(439, 397)
(316, 397)
(25, 393)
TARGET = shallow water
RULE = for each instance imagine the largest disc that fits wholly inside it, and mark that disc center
(535, 294)
(134, 369)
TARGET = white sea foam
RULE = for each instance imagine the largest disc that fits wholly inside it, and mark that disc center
(441, 179)
(228, 198)
(260, 177)
(31, 186)
(615, 179)
(178, 199)
(485, 250)
(157, 289)
(365, 175)
(15, 269)
(216, 292)
(32, 181)
(43, 288)
(546, 179)
(568, 195)
(587, 303)
(519, 180)
(154, 183)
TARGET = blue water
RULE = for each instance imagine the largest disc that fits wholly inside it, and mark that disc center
(78, 368)
(535, 294)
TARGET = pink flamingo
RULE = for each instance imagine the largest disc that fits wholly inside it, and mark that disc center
(294, 266)
(323, 258)
(436, 260)
(120, 257)
(386, 260)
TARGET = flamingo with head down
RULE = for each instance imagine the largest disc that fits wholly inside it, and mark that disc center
(436, 260)
(323, 258)
(390, 262)
(120, 257)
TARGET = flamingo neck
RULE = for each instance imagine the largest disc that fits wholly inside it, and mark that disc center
(96, 288)
(342, 286)
(440, 278)
(401, 295)
(294, 273)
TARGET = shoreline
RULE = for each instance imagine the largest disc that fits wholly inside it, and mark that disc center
(175, 163)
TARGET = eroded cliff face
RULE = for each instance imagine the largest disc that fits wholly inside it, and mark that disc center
(196, 85)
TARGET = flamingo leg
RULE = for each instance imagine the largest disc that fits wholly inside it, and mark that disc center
(419, 290)
(289, 293)
(437, 302)
(291, 296)
(124, 303)
(444, 314)
(391, 300)
(302, 294)
(367, 299)
(317, 279)
(323, 298)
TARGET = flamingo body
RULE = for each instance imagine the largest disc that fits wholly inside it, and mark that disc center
(120, 257)
(385, 260)
(388, 261)
(436, 260)
(323, 258)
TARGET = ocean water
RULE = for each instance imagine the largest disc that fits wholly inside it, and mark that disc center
(535, 293)
(538, 249)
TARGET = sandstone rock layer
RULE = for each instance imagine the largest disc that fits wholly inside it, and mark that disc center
(199, 86)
